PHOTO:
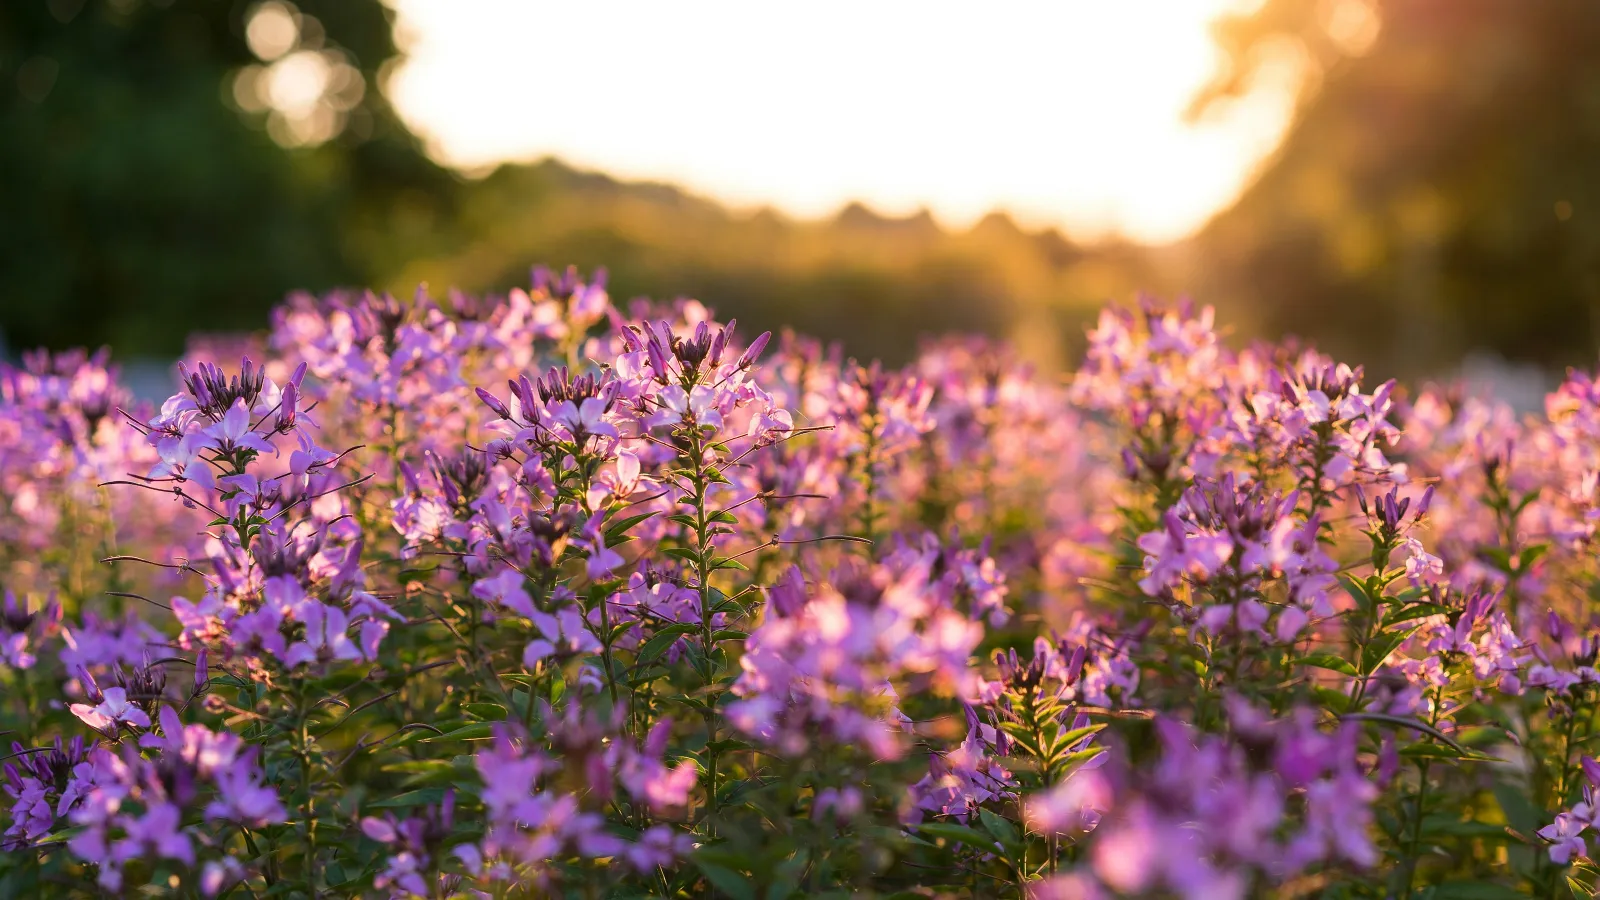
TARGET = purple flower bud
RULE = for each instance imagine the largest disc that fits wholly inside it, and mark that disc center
(717, 345)
(494, 403)
(1425, 502)
(658, 360)
(90, 688)
(754, 352)
(287, 407)
(1075, 665)
(1388, 762)
(522, 389)
(202, 671)
(630, 339)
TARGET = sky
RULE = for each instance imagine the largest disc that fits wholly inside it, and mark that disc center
(1065, 113)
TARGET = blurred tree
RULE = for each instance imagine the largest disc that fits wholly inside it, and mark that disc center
(179, 166)
(1439, 191)
(144, 189)
(881, 284)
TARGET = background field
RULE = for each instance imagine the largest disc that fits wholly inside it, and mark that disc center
(1436, 196)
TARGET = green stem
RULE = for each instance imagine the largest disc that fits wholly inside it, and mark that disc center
(308, 821)
(702, 548)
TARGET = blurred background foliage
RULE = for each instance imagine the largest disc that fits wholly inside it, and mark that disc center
(1439, 194)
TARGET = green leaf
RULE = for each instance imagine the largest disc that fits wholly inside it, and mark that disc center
(621, 526)
(1479, 735)
(62, 836)
(488, 711)
(1329, 661)
(414, 766)
(960, 834)
(1520, 811)
(683, 553)
(1024, 736)
(1337, 702)
(788, 875)
(1474, 890)
(423, 797)
(1450, 825)
(1414, 611)
(727, 880)
(1381, 646)
(1074, 760)
(1424, 750)
(693, 703)
(1068, 738)
(1001, 828)
(660, 641)
(477, 731)
(1358, 591)
(894, 837)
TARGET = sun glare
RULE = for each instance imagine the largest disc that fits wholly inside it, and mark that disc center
(1062, 113)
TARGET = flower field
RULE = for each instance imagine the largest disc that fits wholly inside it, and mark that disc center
(542, 595)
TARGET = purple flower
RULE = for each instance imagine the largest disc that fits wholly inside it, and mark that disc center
(234, 432)
(650, 780)
(113, 710)
(326, 639)
(242, 798)
(698, 406)
(1175, 552)
(602, 559)
(585, 418)
(1566, 838)
(507, 589)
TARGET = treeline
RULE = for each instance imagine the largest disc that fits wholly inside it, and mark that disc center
(1438, 194)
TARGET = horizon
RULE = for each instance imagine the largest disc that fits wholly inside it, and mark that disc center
(1119, 162)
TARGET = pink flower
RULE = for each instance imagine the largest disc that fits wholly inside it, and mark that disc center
(1420, 563)
(586, 418)
(507, 589)
(1175, 552)
(1566, 837)
(563, 632)
(242, 798)
(113, 710)
(325, 639)
(697, 407)
(234, 433)
(1071, 807)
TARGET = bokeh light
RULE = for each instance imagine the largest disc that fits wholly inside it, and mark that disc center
(304, 86)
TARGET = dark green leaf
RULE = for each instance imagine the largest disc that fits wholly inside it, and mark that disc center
(1329, 661)
(726, 880)
(423, 797)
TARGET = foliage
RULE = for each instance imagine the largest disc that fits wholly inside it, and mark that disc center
(1437, 179)
(141, 202)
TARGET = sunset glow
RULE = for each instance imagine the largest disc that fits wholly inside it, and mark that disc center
(1063, 113)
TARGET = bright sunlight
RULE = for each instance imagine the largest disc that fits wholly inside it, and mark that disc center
(1062, 113)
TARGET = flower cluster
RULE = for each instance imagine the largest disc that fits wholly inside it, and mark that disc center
(538, 594)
